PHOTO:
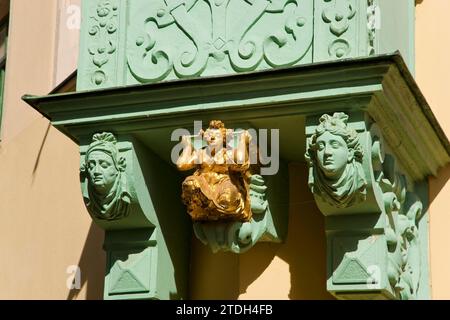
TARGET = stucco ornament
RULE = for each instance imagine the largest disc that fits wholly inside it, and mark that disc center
(219, 187)
(108, 194)
(404, 211)
(334, 157)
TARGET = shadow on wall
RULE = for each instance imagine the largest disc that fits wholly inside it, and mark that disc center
(304, 250)
(438, 183)
(301, 273)
(92, 266)
(213, 275)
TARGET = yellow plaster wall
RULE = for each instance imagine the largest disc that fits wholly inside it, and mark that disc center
(30, 56)
(44, 226)
(295, 269)
(433, 77)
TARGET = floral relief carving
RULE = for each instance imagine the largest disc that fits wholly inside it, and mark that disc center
(338, 14)
(103, 33)
(371, 25)
(403, 211)
(402, 235)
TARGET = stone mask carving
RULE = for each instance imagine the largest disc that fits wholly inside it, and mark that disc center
(334, 157)
(109, 197)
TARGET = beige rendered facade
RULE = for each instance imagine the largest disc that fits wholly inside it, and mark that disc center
(45, 228)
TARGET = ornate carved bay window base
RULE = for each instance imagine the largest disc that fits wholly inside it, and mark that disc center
(369, 158)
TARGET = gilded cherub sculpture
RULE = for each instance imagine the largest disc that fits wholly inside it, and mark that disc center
(218, 190)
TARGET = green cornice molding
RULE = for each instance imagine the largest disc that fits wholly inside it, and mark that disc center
(382, 85)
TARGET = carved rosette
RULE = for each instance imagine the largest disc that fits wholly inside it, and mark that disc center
(103, 39)
(169, 40)
(374, 247)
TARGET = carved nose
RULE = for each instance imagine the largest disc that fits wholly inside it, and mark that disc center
(97, 170)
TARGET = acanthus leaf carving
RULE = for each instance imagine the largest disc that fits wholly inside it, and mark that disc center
(403, 212)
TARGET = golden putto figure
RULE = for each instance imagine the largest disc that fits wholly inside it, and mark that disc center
(219, 187)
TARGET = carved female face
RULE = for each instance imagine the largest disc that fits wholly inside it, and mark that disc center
(332, 154)
(102, 172)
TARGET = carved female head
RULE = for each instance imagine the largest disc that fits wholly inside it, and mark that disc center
(102, 162)
(333, 145)
(334, 156)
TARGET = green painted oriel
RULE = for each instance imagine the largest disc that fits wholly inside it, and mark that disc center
(311, 69)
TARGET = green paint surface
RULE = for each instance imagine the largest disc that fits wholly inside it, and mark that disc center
(147, 68)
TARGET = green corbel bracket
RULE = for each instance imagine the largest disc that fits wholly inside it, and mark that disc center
(376, 219)
(147, 239)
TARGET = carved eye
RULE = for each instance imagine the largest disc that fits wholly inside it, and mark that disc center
(335, 144)
(91, 165)
(104, 164)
